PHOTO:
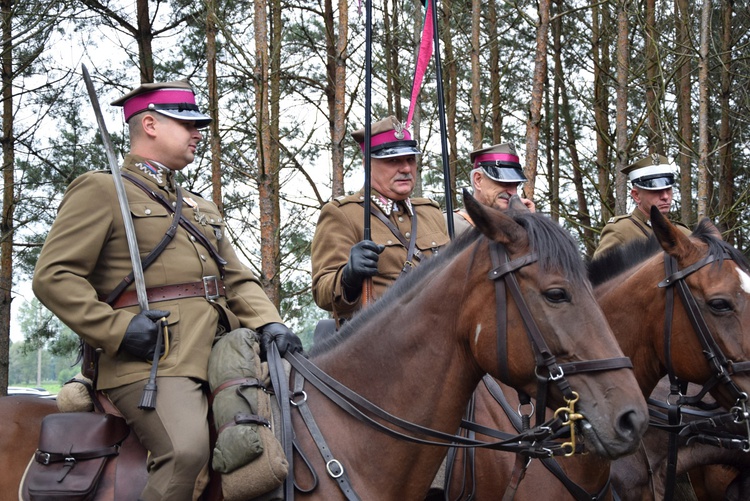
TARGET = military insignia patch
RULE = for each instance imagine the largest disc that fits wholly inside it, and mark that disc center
(151, 171)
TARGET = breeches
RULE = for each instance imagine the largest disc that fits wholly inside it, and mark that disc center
(175, 433)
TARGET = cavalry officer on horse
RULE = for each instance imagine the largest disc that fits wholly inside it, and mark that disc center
(652, 179)
(84, 276)
(495, 177)
(405, 230)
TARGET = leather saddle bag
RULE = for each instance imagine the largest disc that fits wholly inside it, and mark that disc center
(73, 450)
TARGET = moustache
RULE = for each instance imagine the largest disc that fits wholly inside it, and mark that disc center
(403, 177)
(504, 195)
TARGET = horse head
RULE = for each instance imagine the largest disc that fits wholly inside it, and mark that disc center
(554, 299)
(717, 321)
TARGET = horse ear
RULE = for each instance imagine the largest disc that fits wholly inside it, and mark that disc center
(515, 203)
(494, 224)
(672, 240)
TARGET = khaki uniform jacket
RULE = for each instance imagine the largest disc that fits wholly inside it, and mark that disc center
(341, 225)
(86, 256)
(620, 230)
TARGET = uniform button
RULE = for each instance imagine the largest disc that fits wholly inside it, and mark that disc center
(192, 238)
(361, 198)
(390, 242)
(203, 257)
(148, 211)
(434, 244)
(407, 234)
(401, 219)
(212, 220)
(174, 204)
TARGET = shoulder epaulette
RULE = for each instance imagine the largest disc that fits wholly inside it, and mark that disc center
(195, 193)
(425, 201)
(618, 218)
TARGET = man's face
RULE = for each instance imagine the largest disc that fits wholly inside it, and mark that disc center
(394, 177)
(493, 193)
(645, 199)
(178, 140)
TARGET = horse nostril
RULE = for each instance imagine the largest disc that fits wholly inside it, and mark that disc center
(631, 424)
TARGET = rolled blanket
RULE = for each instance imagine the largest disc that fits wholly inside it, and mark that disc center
(233, 375)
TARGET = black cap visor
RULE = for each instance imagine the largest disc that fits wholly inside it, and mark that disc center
(395, 149)
(655, 182)
(503, 174)
(181, 111)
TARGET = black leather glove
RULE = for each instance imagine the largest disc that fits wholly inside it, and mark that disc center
(285, 339)
(140, 336)
(363, 263)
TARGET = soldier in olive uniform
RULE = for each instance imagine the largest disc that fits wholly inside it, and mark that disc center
(404, 230)
(652, 179)
(197, 282)
(496, 175)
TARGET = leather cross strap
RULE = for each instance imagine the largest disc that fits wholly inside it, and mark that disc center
(148, 261)
(187, 225)
(210, 287)
(412, 253)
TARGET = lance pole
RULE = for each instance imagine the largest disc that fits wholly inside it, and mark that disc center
(443, 127)
(367, 283)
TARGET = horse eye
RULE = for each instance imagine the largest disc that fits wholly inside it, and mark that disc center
(556, 295)
(720, 305)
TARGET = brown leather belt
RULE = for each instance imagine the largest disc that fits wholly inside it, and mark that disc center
(210, 287)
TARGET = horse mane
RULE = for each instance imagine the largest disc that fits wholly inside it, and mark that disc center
(619, 259)
(554, 246)
(622, 258)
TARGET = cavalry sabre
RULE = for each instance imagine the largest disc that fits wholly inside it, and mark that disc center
(148, 399)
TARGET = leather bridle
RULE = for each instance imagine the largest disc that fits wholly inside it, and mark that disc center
(721, 367)
(531, 441)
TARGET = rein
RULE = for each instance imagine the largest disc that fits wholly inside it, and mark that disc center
(530, 442)
(722, 367)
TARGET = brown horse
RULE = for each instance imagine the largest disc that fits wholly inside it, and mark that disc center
(420, 351)
(21, 417)
(643, 475)
(635, 307)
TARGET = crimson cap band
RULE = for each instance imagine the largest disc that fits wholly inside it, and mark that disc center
(172, 99)
(388, 138)
(499, 162)
(651, 173)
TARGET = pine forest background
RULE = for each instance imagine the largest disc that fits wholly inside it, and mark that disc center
(582, 89)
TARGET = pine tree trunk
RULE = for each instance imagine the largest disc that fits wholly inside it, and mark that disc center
(602, 67)
(621, 120)
(728, 217)
(495, 113)
(476, 70)
(213, 105)
(537, 96)
(703, 148)
(653, 85)
(7, 229)
(684, 109)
